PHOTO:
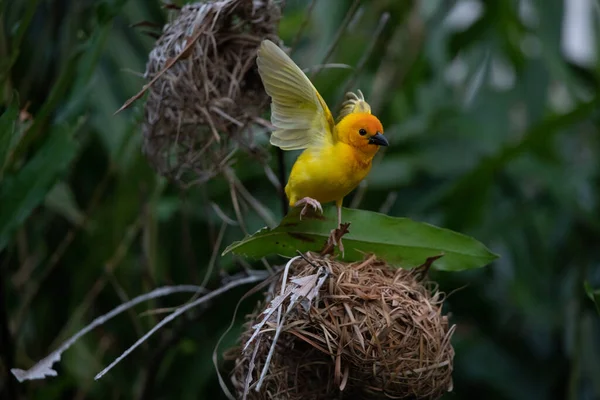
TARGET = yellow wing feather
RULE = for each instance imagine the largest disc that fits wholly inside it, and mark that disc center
(299, 114)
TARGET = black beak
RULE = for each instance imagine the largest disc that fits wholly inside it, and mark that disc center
(379, 140)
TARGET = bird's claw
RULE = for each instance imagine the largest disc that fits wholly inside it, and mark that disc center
(338, 242)
(309, 202)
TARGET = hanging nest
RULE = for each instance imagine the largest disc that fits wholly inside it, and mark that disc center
(205, 94)
(352, 331)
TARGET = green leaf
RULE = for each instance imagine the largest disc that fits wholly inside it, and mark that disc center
(43, 115)
(593, 294)
(8, 133)
(400, 241)
(21, 193)
(61, 200)
(17, 39)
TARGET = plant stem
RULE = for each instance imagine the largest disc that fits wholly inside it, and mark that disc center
(281, 176)
(7, 348)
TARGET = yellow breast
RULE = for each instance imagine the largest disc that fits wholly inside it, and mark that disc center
(326, 174)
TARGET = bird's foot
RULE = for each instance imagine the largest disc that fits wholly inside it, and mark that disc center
(333, 239)
(308, 202)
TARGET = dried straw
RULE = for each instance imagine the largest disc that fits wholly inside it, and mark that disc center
(204, 91)
(371, 332)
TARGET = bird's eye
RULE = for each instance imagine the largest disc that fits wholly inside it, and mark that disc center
(362, 132)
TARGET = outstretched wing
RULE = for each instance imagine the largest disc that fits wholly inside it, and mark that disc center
(299, 114)
(355, 103)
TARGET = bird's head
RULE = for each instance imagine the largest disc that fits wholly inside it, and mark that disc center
(362, 131)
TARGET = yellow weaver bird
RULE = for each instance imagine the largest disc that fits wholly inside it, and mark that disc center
(336, 156)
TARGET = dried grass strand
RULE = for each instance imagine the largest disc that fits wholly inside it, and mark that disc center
(204, 91)
(370, 332)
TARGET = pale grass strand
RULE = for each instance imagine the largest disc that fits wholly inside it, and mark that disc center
(222, 383)
(178, 312)
(43, 368)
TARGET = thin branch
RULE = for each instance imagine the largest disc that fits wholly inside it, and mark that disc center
(281, 177)
(178, 312)
(349, 16)
(62, 249)
(303, 25)
(170, 62)
(273, 178)
(256, 205)
(326, 66)
(387, 205)
(214, 254)
(221, 214)
(360, 193)
(279, 325)
(236, 205)
(43, 368)
(252, 291)
(115, 259)
(124, 298)
(156, 359)
(367, 53)
(209, 270)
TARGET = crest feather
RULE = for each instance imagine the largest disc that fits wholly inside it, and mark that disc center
(354, 103)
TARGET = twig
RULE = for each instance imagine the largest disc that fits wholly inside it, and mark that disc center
(296, 290)
(279, 325)
(190, 42)
(211, 265)
(360, 193)
(387, 205)
(349, 16)
(221, 214)
(251, 366)
(326, 66)
(306, 259)
(43, 368)
(187, 242)
(236, 205)
(398, 59)
(62, 248)
(249, 293)
(335, 237)
(234, 187)
(275, 304)
(256, 205)
(215, 253)
(423, 369)
(281, 177)
(155, 360)
(367, 53)
(124, 298)
(177, 313)
(84, 389)
(303, 25)
(273, 178)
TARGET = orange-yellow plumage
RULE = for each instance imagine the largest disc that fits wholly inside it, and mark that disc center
(336, 156)
(329, 173)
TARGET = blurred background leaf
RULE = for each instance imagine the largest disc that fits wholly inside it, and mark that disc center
(593, 294)
(491, 110)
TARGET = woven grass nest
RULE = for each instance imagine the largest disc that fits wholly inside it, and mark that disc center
(345, 331)
(205, 92)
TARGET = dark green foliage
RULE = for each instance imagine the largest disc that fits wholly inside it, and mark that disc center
(22, 192)
(593, 294)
